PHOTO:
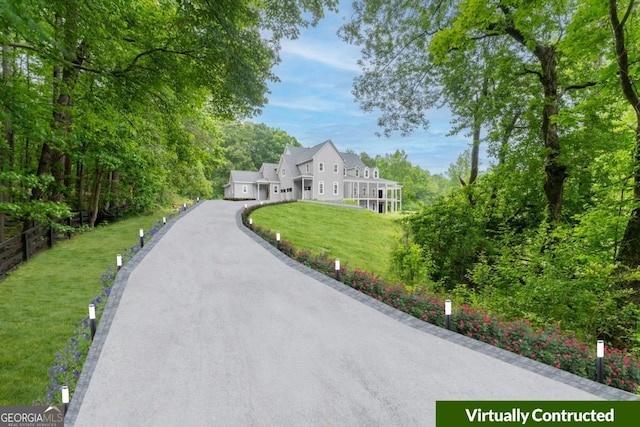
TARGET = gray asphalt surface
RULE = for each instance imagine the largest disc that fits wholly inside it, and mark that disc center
(213, 329)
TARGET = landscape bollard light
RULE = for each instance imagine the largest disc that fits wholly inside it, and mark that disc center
(251, 223)
(184, 205)
(278, 240)
(337, 267)
(118, 262)
(65, 398)
(197, 199)
(245, 206)
(164, 220)
(92, 320)
(141, 238)
(447, 313)
(600, 365)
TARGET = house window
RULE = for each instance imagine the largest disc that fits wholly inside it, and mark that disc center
(320, 167)
(357, 172)
(321, 187)
(307, 167)
(344, 171)
(245, 189)
(336, 168)
(282, 172)
(335, 188)
(275, 188)
(375, 173)
(355, 192)
(366, 172)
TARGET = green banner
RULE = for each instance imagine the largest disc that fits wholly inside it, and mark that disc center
(537, 413)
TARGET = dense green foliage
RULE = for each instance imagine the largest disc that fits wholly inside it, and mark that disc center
(551, 231)
(116, 102)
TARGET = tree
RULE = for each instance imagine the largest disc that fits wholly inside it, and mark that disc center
(92, 85)
(623, 38)
(417, 51)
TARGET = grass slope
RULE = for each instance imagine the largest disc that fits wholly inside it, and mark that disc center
(42, 300)
(363, 238)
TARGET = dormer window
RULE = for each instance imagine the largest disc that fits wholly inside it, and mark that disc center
(366, 172)
(344, 171)
(307, 167)
(357, 172)
(376, 173)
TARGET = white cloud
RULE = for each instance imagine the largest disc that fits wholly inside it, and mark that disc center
(332, 52)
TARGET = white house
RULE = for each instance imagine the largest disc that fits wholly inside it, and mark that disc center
(319, 173)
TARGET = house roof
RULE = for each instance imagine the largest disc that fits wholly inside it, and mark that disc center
(245, 176)
(298, 155)
(269, 171)
(352, 161)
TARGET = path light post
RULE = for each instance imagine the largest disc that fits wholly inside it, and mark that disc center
(65, 398)
(92, 320)
(600, 365)
(447, 313)
(118, 262)
(278, 240)
(164, 220)
(251, 223)
(245, 206)
(141, 238)
(337, 267)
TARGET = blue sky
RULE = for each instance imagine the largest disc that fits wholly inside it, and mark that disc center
(313, 102)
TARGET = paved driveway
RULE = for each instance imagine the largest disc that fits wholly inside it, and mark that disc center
(214, 329)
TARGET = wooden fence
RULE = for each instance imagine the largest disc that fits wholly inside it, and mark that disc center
(38, 238)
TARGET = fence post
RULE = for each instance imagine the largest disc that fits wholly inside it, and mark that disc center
(51, 237)
(25, 246)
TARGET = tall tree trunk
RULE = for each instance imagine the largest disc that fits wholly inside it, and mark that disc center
(53, 159)
(555, 171)
(629, 253)
(79, 185)
(8, 145)
(95, 200)
(475, 151)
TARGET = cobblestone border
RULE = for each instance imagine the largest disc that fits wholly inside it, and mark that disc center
(600, 390)
(110, 309)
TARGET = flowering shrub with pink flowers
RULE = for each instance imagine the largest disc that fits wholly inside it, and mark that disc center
(551, 346)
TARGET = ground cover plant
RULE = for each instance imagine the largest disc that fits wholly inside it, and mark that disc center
(43, 301)
(550, 345)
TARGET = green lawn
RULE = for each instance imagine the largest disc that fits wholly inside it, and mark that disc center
(41, 301)
(363, 238)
